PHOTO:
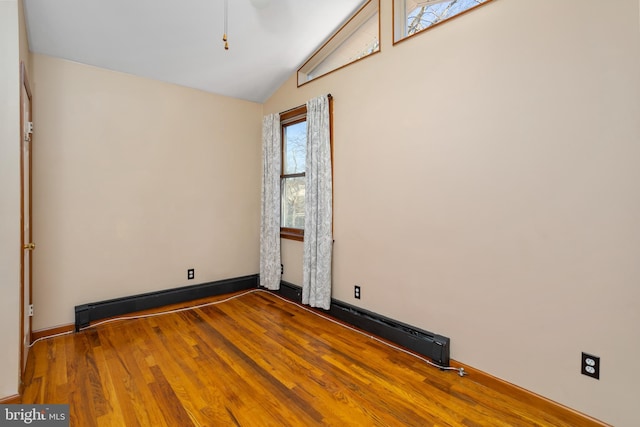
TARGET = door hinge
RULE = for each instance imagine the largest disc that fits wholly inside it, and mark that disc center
(30, 310)
(28, 131)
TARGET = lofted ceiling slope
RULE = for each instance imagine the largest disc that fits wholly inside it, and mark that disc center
(180, 41)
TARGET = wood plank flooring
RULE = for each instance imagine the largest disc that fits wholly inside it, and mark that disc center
(255, 360)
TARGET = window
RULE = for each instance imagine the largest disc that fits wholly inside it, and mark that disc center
(414, 16)
(294, 154)
(357, 39)
(293, 125)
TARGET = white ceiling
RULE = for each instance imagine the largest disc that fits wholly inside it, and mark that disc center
(180, 41)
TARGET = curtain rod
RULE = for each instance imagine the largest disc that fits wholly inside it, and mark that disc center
(295, 108)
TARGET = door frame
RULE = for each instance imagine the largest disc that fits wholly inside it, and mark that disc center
(24, 83)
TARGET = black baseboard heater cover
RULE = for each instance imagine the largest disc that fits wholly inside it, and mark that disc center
(434, 346)
(87, 313)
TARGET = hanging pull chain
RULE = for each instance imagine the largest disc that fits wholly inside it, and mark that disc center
(226, 23)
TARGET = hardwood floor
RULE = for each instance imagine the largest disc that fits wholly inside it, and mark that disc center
(255, 360)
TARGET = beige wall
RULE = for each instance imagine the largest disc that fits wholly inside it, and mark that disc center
(10, 43)
(487, 188)
(135, 181)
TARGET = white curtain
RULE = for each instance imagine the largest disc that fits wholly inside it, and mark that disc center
(318, 239)
(270, 219)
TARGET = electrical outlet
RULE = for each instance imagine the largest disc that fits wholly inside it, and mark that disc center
(191, 273)
(590, 366)
(281, 268)
(356, 292)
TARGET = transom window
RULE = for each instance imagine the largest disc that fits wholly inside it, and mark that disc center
(358, 38)
(414, 16)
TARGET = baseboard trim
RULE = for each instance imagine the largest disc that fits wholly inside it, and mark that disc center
(87, 313)
(10, 400)
(49, 332)
(570, 416)
(435, 347)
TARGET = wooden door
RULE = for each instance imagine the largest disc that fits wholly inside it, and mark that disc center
(26, 152)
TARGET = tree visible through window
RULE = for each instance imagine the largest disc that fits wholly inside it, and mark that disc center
(413, 16)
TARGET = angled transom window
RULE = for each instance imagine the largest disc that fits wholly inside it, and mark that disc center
(357, 39)
(414, 16)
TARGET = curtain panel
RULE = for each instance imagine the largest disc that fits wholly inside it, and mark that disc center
(270, 273)
(318, 238)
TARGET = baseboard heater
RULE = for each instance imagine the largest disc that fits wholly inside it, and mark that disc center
(434, 346)
(87, 313)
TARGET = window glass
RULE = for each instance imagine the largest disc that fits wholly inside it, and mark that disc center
(294, 147)
(414, 16)
(293, 202)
